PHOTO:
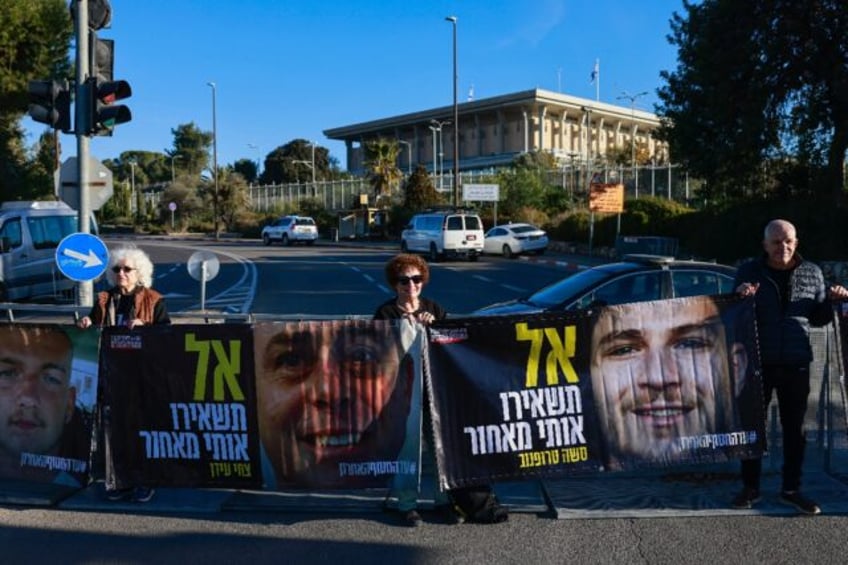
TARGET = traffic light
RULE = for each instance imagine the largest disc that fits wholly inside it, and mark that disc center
(50, 103)
(105, 114)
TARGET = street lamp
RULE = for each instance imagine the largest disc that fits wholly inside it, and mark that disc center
(409, 151)
(436, 127)
(633, 98)
(173, 175)
(258, 158)
(215, 160)
(452, 19)
(132, 191)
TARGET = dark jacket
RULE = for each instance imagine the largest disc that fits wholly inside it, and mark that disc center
(784, 330)
(148, 306)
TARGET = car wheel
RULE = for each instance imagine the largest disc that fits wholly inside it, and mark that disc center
(472, 257)
(507, 251)
(310, 242)
(434, 253)
(540, 252)
(266, 239)
(404, 247)
(285, 239)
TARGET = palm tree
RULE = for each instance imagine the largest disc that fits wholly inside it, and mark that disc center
(381, 164)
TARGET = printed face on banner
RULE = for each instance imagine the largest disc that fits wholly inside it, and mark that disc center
(36, 396)
(660, 372)
(329, 393)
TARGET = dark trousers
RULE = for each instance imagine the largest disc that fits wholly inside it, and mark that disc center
(792, 385)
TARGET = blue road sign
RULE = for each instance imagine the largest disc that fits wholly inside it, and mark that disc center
(82, 257)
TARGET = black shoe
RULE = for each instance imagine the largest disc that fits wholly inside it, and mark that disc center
(805, 506)
(413, 519)
(746, 499)
(450, 514)
(142, 494)
(118, 494)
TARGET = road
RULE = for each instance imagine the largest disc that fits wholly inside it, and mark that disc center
(349, 281)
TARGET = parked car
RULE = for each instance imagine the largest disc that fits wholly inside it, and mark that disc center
(444, 233)
(510, 240)
(291, 229)
(637, 278)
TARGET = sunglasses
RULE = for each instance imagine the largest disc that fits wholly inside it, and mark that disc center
(417, 279)
(117, 269)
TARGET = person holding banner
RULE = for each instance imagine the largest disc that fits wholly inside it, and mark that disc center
(790, 296)
(38, 415)
(331, 395)
(663, 371)
(407, 274)
(130, 302)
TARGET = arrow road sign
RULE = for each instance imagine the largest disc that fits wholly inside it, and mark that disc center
(82, 257)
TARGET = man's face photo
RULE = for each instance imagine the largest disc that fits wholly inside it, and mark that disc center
(329, 392)
(660, 371)
(36, 398)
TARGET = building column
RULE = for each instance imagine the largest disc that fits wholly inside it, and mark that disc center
(543, 110)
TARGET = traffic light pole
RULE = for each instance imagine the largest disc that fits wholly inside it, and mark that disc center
(85, 290)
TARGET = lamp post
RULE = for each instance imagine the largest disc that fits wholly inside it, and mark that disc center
(215, 160)
(452, 20)
(409, 152)
(173, 175)
(132, 191)
(633, 98)
(258, 158)
(436, 126)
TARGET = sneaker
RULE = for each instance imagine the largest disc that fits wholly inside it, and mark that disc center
(118, 494)
(413, 519)
(805, 506)
(450, 514)
(142, 494)
(746, 499)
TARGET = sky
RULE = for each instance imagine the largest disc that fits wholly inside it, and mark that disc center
(288, 69)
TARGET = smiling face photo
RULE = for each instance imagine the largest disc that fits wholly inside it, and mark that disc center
(329, 393)
(660, 371)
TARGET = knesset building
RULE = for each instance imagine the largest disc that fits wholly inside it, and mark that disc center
(493, 131)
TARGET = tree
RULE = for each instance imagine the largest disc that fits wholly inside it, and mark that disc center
(381, 157)
(419, 192)
(292, 162)
(247, 168)
(192, 148)
(776, 100)
(34, 45)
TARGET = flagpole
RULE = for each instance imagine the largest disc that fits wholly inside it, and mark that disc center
(597, 80)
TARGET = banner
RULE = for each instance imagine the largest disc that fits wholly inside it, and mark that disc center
(179, 406)
(613, 388)
(48, 393)
(339, 403)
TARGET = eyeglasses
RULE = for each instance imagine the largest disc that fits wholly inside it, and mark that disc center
(118, 269)
(417, 279)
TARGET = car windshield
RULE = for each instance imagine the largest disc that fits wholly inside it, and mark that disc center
(305, 222)
(572, 287)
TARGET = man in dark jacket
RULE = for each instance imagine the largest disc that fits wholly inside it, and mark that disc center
(790, 297)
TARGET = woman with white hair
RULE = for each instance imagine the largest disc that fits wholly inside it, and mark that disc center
(131, 300)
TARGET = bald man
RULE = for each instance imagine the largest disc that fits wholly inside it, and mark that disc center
(790, 297)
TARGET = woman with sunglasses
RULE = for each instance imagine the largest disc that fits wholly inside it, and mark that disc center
(407, 274)
(130, 301)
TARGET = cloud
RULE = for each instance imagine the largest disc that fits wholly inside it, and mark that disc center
(533, 23)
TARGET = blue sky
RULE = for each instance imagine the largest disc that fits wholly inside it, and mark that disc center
(287, 69)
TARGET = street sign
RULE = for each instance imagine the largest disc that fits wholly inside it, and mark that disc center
(99, 183)
(82, 257)
(481, 192)
(606, 198)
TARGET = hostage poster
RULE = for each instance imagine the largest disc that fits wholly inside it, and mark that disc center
(179, 406)
(611, 388)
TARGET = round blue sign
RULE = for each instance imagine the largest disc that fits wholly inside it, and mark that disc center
(82, 257)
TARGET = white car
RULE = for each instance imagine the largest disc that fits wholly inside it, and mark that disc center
(510, 240)
(291, 229)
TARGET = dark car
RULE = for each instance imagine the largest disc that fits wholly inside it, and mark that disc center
(637, 278)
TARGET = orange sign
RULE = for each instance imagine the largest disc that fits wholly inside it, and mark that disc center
(606, 198)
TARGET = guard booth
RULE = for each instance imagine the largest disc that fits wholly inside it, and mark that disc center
(363, 222)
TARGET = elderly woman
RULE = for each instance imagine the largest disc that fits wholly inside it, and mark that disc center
(130, 301)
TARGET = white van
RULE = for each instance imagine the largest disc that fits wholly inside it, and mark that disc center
(445, 233)
(29, 234)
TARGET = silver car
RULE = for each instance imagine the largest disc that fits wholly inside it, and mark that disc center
(290, 229)
(510, 240)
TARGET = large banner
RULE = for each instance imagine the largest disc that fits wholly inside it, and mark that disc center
(48, 393)
(179, 406)
(613, 388)
(339, 403)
